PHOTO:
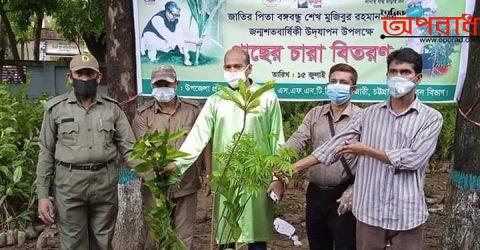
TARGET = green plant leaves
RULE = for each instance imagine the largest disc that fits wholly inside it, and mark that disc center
(266, 87)
(9, 191)
(17, 175)
(155, 152)
(2, 200)
(244, 98)
(246, 169)
(174, 154)
(176, 135)
(4, 170)
(230, 95)
(143, 167)
(20, 122)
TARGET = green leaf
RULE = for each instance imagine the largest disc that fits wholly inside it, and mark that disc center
(230, 95)
(176, 135)
(9, 130)
(172, 155)
(17, 175)
(266, 87)
(242, 87)
(5, 171)
(143, 167)
(9, 191)
(253, 105)
(2, 200)
(236, 232)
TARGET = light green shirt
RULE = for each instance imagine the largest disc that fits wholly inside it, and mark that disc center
(219, 120)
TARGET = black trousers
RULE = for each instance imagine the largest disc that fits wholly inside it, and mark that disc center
(327, 230)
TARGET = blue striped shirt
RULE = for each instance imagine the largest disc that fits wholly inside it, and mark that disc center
(390, 196)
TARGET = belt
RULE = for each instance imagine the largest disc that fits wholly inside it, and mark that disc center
(322, 187)
(86, 166)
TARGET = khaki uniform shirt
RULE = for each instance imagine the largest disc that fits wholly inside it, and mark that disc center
(316, 130)
(73, 134)
(151, 117)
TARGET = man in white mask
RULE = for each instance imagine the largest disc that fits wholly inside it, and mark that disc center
(219, 120)
(236, 71)
(393, 141)
(166, 110)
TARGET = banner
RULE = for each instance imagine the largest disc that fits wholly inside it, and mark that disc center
(295, 42)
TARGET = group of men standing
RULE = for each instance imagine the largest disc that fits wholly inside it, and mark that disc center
(371, 161)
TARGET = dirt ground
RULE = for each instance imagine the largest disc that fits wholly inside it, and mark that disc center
(292, 209)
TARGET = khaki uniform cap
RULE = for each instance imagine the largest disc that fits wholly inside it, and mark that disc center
(164, 72)
(84, 62)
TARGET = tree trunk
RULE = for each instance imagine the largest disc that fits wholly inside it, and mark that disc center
(3, 44)
(120, 60)
(22, 49)
(12, 41)
(97, 47)
(38, 36)
(462, 225)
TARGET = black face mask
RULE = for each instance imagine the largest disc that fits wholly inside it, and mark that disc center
(85, 88)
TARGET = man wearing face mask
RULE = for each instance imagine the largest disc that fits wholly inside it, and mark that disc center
(393, 141)
(81, 133)
(167, 111)
(218, 121)
(330, 224)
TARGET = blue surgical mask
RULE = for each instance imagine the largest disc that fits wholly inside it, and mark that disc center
(163, 94)
(338, 93)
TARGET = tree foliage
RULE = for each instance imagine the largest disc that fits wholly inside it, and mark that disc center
(74, 18)
(20, 121)
(79, 19)
(24, 18)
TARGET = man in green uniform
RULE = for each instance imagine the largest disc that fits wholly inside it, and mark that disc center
(81, 133)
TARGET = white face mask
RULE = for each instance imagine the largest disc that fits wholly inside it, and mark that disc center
(232, 78)
(399, 86)
(163, 94)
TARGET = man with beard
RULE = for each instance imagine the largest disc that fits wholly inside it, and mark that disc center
(81, 133)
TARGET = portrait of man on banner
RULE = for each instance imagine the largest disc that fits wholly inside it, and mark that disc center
(178, 31)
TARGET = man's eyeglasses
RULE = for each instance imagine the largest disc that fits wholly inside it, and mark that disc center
(177, 15)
